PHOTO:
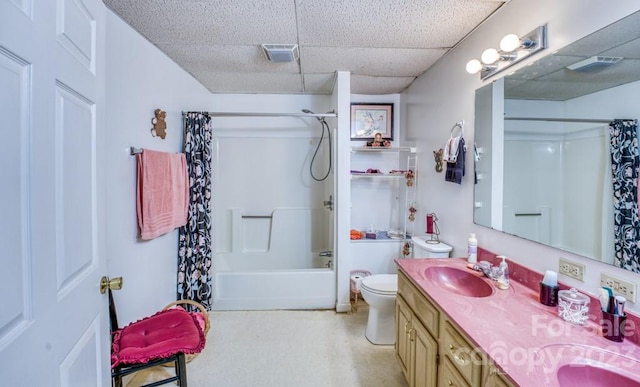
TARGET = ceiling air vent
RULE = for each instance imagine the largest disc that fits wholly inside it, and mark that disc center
(280, 53)
(595, 62)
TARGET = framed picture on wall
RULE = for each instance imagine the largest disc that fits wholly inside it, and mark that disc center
(368, 119)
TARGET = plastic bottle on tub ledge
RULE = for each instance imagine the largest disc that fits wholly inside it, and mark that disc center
(472, 250)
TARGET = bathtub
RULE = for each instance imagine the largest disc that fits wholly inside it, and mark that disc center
(279, 289)
(262, 267)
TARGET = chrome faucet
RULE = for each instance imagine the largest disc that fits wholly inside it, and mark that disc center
(486, 268)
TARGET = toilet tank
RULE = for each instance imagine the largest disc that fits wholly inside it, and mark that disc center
(424, 249)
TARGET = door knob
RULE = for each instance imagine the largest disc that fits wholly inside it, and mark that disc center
(113, 284)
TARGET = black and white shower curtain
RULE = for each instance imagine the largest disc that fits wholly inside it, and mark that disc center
(195, 242)
(624, 167)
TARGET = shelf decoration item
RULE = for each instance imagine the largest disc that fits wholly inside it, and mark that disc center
(409, 176)
(412, 212)
(432, 228)
(371, 119)
(406, 250)
(378, 142)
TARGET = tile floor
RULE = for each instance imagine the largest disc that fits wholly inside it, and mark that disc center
(289, 348)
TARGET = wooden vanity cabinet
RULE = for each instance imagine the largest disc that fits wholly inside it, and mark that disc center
(416, 349)
(431, 350)
(495, 378)
(460, 352)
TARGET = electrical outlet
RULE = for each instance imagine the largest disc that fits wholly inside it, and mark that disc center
(619, 286)
(571, 269)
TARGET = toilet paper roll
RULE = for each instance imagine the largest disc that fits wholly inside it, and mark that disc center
(356, 279)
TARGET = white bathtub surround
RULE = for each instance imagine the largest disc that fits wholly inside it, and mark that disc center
(290, 348)
(268, 241)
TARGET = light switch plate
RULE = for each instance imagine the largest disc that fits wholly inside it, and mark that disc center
(571, 269)
(620, 287)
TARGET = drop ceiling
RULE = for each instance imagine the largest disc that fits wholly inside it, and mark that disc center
(385, 44)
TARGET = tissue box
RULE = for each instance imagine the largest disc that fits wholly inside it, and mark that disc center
(371, 235)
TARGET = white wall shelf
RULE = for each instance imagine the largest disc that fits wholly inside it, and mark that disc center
(383, 149)
(377, 175)
(381, 201)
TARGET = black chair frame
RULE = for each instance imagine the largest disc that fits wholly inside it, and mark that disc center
(117, 373)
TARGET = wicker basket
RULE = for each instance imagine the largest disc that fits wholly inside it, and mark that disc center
(204, 314)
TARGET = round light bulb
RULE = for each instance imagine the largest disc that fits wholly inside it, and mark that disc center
(510, 42)
(490, 56)
(473, 66)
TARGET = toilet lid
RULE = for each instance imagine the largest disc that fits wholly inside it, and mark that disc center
(433, 247)
(381, 283)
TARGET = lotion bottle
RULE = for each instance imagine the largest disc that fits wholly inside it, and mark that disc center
(503, 278)
(472, 251)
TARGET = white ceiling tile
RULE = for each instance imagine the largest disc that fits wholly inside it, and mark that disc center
(379, 85)
(384, 44)
(250, 82)
(216, 22)
(384, 23)
(319, 83)
(225, 59)
(397, 62)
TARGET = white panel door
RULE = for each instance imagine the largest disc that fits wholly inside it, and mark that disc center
(53, 320)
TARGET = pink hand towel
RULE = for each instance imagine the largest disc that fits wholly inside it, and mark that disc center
(162, 192)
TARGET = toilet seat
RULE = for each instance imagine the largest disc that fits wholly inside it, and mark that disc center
(381, 284)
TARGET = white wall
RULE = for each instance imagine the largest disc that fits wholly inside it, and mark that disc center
(445, 95)
(341, 99)
(140, 79)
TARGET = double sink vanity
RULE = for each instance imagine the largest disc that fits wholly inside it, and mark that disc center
(454, 327)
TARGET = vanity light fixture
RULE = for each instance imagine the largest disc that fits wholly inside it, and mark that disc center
(513, 49)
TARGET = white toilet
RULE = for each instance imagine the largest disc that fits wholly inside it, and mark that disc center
(379, 291)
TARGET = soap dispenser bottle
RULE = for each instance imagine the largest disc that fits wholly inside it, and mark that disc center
(472, 249)
(503, 277)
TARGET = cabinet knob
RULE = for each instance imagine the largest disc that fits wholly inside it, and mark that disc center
(449, 383)
(460, 358)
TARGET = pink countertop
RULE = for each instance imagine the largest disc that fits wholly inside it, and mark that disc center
(526, 340)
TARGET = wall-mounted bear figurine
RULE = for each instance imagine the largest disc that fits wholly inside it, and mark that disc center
(159, 125)
(438, 156)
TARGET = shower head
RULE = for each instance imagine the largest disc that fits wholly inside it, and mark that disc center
(307, 111)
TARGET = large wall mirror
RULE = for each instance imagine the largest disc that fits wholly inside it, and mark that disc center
(542, 134)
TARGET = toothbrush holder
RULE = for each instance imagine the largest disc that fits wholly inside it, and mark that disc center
(548, 294)
(613, 326)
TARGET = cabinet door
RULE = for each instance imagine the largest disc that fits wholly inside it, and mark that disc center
(403, 321)
(495, 379)
(424, 351)
(449, 376)
(461, 353)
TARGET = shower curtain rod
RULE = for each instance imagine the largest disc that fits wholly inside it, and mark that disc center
(576, 120)
(241, 114)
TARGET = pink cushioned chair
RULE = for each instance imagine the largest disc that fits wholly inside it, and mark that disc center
(165, 337)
